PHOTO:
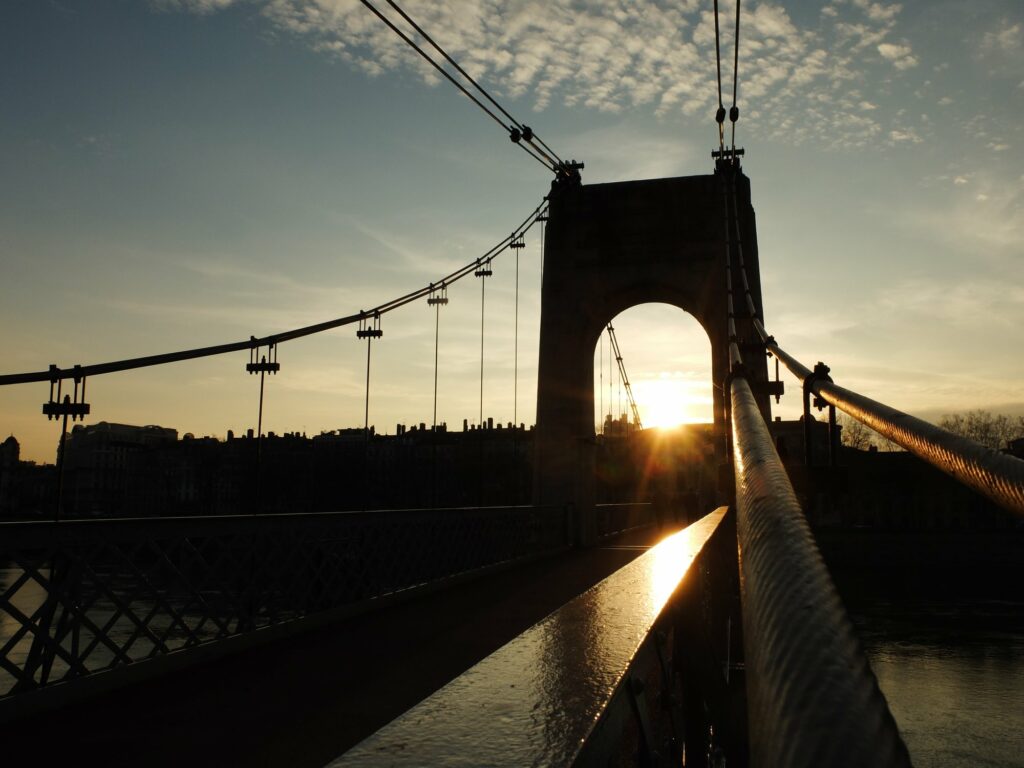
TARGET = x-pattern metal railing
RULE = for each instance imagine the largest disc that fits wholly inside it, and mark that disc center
(83, 597)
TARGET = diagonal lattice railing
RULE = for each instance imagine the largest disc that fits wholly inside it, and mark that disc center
(83, 597)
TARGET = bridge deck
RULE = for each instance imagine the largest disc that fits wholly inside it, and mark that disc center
(303, 701)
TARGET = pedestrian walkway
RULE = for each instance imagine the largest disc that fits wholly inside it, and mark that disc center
(305, 700)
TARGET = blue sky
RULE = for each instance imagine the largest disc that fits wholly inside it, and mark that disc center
(174, 174)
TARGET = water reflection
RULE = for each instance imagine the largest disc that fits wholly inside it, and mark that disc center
(117, 619)
(26, 600)
(953, 673)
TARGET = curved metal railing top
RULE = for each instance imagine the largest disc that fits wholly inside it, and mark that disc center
(996, 475)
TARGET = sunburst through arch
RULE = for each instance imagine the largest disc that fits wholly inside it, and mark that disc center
(667, 357)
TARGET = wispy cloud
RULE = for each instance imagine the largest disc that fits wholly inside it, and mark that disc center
(908, 136)
(972, 304)
(803, 81)
(193, 6)
(247, 298)
(901, 55)
(1001, 49)
(621, 153)
(1007, 40)
(409, 248)
(983, 216)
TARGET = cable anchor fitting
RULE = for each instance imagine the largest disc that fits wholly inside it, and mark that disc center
(567, 173)
(438, 295)
(485, 270)
(262, 364)
(729, 156)
(736, 371)
(370, 328)
(66, 405)
(820, 373)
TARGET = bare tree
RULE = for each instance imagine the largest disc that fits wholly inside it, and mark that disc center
(855, 434)
(992, 431)
(863, 437)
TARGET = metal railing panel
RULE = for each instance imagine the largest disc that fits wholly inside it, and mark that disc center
(538, 699)
(84, 597)
(812, 698)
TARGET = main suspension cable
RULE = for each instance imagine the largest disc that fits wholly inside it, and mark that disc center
(54, 374)
(734, 111)
(547, 163)
(525, 131)
(720, 114)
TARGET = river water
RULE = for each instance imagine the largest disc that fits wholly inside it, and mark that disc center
(952, 670)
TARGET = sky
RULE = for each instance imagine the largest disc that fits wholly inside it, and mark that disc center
(178, 173)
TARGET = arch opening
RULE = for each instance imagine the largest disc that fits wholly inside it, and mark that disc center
(667, 359)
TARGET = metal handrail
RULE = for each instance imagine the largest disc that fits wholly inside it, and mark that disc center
(571, 688)
(812, 698)
(996, 475)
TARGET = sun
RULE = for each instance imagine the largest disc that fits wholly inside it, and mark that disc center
(668, 401)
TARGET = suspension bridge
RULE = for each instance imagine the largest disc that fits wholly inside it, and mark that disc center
(591, 642)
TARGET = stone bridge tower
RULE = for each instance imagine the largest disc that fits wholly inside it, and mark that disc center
(609, 247)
